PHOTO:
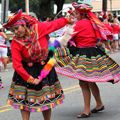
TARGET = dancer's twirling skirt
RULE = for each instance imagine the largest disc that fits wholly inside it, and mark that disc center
(35, 98)
(87, 64)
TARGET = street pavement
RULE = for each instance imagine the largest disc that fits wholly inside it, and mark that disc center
(73, 103)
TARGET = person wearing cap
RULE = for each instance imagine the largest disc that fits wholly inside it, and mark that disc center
(86, 61)
(29, 48)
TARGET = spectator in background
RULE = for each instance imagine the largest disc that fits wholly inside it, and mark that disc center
(116, 21)
(116, 30)
(108, 43)
(8, 43)
(3, 48)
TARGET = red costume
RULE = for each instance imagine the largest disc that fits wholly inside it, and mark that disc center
(29, 56)
(85, 35)
(86, 60)
(20, 51)
(116, 28)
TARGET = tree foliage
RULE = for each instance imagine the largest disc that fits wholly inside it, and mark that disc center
(42, 8)
(69, 1)
(15, 5)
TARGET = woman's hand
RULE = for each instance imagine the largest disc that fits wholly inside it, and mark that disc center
(30, 80)
(70, 19)
(99, 43)
(36, 81)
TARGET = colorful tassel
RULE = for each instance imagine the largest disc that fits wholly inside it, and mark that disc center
(52, 46)
(47, 68)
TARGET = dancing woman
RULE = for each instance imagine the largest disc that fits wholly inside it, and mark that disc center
(87, 62)
(29, 56)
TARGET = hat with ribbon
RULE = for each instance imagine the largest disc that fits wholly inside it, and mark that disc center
(12, 20)
(100, 29)
(82, 7)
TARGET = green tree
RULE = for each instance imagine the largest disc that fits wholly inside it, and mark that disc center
(15, 5)
(42, 8)
(69, 1)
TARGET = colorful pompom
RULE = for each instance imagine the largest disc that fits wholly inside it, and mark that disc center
(47, 68)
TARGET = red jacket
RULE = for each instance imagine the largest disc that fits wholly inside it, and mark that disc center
(20, 52)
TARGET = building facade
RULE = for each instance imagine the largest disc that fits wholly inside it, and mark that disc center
(111, 5)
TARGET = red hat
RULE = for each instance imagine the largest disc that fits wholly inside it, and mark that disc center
(82, 7)
(12, 20)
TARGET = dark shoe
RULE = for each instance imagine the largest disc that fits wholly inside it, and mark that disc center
(83, 115)
(97, 110)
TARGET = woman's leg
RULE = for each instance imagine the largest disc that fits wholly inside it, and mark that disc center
(96, 93)
(86, 95)
(25, 115)
(116, 45)
(5, 62)
(109, 46)
(47, 114)
(4, 57)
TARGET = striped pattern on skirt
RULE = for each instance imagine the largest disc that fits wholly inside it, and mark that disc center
(35, 98)
(87, 64)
